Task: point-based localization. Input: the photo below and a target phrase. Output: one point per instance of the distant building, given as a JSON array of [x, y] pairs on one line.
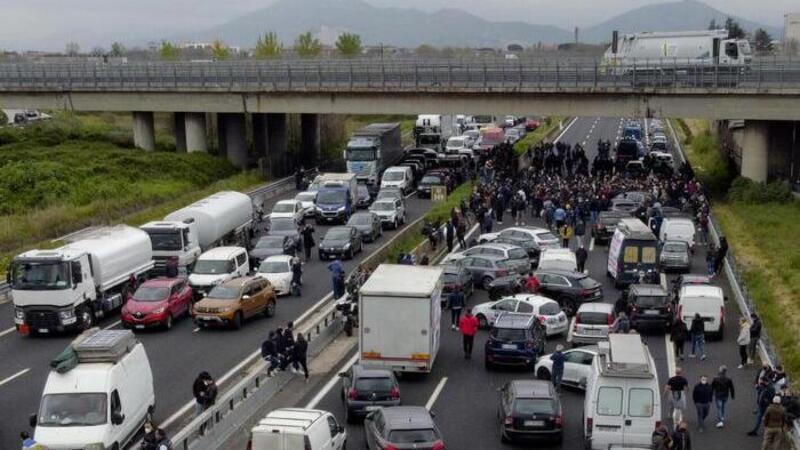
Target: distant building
[[791, 27]]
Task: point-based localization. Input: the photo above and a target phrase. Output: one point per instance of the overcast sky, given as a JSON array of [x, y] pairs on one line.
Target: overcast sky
[[50, 23]]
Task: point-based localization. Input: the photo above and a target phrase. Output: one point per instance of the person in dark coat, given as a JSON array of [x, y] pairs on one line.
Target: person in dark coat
[[679, 334], [702, 396], [300, 355], [308, 240], [722, 386], [288, 352], [680, 437], [581, 255], [456, 301], [204, 390], [450, 232], [697, 331], [558, 359], [722, 251], [269, 351]]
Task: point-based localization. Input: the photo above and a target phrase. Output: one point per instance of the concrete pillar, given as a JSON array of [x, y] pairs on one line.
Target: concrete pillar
[[755, 150], [222, 141], [195, 132], [180, 131], [144, 132], [310, 140], [235, 137], [260, 135], [278, 148]]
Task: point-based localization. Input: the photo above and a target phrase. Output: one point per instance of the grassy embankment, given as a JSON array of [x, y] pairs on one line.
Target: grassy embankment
[[546, 127], [762, 223]]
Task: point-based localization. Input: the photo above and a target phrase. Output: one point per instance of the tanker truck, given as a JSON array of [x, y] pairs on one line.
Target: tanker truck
[[72, 286], [223, 218]]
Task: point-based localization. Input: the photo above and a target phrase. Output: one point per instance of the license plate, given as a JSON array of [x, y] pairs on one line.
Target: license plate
[[651, 312], [534, 423], [139, 327], [593, 332], [44, 330], [205, 318], [509, 346]]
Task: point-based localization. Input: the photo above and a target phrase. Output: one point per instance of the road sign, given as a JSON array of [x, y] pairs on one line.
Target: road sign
[[438, 193]]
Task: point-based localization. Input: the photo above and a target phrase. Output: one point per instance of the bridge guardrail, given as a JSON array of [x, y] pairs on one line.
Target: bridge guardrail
[[378, 75]]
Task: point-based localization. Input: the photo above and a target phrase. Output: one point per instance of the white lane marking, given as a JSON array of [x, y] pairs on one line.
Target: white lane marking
[[16, 375], [5, 332], [663, 279], [591, 244], [670, 356], [411, 194], [113, 325], [564, 131], [330, 384], [435, 394], [196, 329]]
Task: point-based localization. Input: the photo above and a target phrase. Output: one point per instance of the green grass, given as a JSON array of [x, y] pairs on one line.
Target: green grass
[[550, 124], [702, 150]]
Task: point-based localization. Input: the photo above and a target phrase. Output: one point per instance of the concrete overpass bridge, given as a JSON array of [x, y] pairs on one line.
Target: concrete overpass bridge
[[764, 95]]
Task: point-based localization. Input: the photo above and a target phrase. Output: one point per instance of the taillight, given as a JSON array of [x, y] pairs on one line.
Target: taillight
[[509, 421], [590, 425], [559, 421], [395, 393], [438, 445], [585, 293], [610, 319], [352, 394]]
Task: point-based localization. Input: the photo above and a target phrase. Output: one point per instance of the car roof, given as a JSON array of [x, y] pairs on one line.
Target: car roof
[[496, 245], [514, 320], [562, 272], [407, 418], [537, 300], [649, 290], [280, 258], [222, 252], [694, 279], [237, 282], [532, 388], [339, 227], [700, 290], [363, 213], [288, 201], [596, 307], [370, 372], [672, 241], [161, 282]]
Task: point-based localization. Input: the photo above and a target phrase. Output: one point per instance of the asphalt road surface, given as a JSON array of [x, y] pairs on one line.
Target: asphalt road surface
[[176, 357], [463, 394]]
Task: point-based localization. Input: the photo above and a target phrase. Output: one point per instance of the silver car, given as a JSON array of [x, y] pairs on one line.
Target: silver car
[[591, 323], [675, 256], [516, 255], [402, 427]]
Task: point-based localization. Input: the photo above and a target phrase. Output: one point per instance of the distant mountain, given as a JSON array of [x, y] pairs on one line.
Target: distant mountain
[[673, 16], [391, 26]]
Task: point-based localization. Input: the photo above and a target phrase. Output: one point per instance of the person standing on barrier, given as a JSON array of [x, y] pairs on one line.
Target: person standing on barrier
[[269, 351], [300, 355]]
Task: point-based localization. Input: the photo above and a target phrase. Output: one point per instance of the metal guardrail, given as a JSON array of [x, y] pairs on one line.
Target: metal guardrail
[[394, 75]]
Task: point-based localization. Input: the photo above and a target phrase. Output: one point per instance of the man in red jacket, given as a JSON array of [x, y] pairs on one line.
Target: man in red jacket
[[468, 326]]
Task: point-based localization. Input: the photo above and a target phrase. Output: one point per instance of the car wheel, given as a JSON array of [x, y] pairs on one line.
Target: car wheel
[[269, 310], [543, 373], [237, 321], [396, 224], [486, 281], [483, 323], [168, 322], [503, 437]]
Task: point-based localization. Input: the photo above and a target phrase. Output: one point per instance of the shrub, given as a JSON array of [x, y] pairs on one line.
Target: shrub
[[744, 190]]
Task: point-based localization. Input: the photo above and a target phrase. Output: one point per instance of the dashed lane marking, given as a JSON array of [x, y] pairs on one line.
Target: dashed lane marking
[[8, 331], [15, 376], [435, 394], [332, 382]]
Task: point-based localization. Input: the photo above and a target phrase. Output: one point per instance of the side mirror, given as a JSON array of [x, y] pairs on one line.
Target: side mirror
[[117, 418], [32, 420], [341, 429], [77, 275]]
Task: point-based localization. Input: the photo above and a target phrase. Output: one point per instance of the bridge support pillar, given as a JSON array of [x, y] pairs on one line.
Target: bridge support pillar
[[233, 137], [261, 141], [195, 132], [278, 153], [309, 140], [755, 150], [144, 133], [179, 124]]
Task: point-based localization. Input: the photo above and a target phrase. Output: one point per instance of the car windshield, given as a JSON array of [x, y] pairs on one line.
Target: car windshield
[[393, 176], [609, 220], [331, 197], [412, 436], [517, 253], [282, 225], [508, 334], [360, 219], [374, 384], [362, 191], [224, 293], [675, 247], [212, 266], [274, 267], [549, 309], [431, 179], [283, 208], [72, 410], [383, 206], [167, 240], [531, 406], [651, 301], [450, 278], [338, 234], [360, 154], [455, 142], [305, 197], [36, 276], [270, 242], [593, 318], [150, 294]]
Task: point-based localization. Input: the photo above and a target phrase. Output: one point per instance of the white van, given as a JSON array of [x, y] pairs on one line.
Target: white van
[[400, 177], [298, 429], [623, 401], [677, 229], [706, 300], [217, 266], [102, 399], [557, 259]]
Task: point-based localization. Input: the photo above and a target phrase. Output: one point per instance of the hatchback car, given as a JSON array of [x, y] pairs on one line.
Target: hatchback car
[[232, 302], [516, 339], [344, 241], [288, 209], [570, 289], [157, 303], [532, 239], [267, 246], [285, 227], [591, 323], [391, 211], [530, 409], [577, 366], [486, 268], [278, 270], [363, 197], [389, 193], [516, 255], [402, 427], [547, 310], [650, 307], [364, 388], [368, 224], [306, 200], [607, 221], [675, 257], [455, 276]]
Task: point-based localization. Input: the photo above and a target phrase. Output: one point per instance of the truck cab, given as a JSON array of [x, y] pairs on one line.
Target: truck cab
[[173, 239]]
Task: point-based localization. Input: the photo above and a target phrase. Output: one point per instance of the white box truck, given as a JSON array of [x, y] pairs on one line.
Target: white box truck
[[399, 314], [223, 218], [433, 130], [372, 149], [71, 286]]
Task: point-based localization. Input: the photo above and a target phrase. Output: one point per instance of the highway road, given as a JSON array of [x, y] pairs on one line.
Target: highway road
[[176, 356], [463, 394]]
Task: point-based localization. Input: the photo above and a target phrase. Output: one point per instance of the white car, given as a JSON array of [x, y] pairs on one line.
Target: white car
[[278, 270], [473, 134], [558, 259], [287, 209], [547, 310], [306, 200], [577, 366], [391, 211], [459, 144]]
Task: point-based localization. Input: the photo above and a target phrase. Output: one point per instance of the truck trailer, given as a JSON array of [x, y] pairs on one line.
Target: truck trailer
[[372, 149], [72, 286], [399, 314], [432, 131]]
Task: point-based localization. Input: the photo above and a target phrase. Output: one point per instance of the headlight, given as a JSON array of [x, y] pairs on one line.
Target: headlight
[[66, 314], [346, 246], [19, 314], [158, 311], [97, 446], [225, 309], [341, 209]]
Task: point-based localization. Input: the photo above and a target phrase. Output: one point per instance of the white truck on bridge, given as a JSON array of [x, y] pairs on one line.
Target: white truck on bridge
[[225, 217], [400, 311], [71, 286]]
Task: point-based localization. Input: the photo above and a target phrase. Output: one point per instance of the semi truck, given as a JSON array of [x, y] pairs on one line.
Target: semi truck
[[432, 131], [399, 316], [72, 286], [336, 196], [372, 149], [682, 52], [222, 218]]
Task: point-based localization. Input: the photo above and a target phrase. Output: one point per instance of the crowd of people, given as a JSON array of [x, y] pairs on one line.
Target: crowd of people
[[284, 348]]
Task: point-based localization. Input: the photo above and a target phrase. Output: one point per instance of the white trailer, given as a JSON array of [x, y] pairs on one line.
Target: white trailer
[[433, 130], [222, 218], [399, 314], [72, 286]]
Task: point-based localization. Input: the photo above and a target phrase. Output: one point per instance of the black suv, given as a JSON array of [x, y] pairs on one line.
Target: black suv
[[569, 289], [365, 388], [516, 339], [650, 306], [607, 222], [530, 409]]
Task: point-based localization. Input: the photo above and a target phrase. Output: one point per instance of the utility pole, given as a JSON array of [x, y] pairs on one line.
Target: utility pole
[[577, 30]]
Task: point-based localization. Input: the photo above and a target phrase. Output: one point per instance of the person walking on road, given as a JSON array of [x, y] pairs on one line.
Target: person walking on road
[[679, 334], [566, 233], [308, 240], [337, 278], [532, 283], [722, 387], [300, 355], [449, 232], [581, 255], [621, 324], [675, 391], [755, 337], [469, 327], [743, 340], [774, 421], [680, 437], [702, 396], [558, 359], [766, 393], [697, 332], [722, 251], [456, 305], [711, 259]]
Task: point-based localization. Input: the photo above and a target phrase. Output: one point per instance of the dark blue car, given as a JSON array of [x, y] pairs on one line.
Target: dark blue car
[[516, 339]]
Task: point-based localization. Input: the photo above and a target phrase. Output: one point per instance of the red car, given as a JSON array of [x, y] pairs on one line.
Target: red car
[[531, 124], [157, 303]]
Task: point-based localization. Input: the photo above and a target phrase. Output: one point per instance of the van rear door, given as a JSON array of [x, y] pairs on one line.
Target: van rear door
[[640, 415], [709, 308], [609, 419], [278, 440]]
